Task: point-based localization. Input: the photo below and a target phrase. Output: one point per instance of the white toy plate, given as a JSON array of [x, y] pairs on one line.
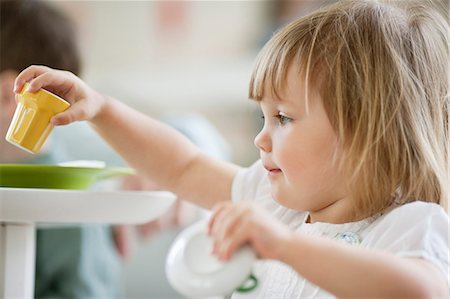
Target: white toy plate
[[194, 271]]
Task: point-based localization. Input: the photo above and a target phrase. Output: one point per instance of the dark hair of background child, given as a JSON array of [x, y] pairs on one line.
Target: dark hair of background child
[[46, 37]]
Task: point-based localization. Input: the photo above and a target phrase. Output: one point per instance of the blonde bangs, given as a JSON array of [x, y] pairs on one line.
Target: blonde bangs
[[268, 72], [292, 46]]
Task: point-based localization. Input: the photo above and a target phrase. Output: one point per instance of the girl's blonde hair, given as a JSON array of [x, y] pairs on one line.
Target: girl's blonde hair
[[383, 74]]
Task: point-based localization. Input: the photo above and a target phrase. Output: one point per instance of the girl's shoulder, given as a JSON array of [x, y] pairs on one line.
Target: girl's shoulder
[[417, 215], [413, 230], [418, 208], [411, 223], [413, 212]]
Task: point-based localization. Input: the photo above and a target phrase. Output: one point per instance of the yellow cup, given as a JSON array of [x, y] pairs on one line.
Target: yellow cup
[[31, 125]]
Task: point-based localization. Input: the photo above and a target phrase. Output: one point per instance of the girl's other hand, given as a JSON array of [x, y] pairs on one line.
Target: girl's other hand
[[85, 102], [233, 225]]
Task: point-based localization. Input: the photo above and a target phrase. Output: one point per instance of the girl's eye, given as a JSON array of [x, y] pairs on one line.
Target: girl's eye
[[283, 119]]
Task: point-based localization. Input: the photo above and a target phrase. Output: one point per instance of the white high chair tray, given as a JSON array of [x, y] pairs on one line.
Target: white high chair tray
[[25, 205], [21, 209]]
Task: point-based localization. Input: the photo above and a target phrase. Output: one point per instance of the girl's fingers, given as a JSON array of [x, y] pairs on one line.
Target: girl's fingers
[[228, 247], [58, 82], [218, 220], [43, 80], [28, 74], [216, 211], [230, 222]]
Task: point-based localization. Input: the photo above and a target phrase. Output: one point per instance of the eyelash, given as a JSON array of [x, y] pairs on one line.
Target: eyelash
[[283, 119]]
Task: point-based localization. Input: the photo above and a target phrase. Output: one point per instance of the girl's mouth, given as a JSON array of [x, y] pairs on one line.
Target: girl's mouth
[[272, 171]]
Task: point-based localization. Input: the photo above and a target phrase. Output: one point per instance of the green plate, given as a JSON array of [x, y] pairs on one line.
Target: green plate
[[55, 176]]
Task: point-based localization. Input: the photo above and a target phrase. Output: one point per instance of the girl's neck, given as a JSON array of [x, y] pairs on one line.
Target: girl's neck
[[341, 211]]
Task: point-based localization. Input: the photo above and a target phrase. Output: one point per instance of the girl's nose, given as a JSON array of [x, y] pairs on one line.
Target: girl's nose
[[263, 142]]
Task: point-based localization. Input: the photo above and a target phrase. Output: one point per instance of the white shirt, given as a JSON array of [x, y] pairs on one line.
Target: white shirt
[[417, 229]]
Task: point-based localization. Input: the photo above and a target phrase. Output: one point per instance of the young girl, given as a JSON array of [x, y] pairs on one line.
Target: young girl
[[354, 155]]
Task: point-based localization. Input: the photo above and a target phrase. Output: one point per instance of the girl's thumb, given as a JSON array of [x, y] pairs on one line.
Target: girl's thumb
[[75, 113], [63, 118]]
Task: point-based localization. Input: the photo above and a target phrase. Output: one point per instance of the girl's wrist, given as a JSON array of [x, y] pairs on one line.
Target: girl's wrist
[[103, 103], [286, 247]]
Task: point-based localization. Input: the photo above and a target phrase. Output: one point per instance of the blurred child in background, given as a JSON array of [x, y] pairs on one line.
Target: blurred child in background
[[76, 261]]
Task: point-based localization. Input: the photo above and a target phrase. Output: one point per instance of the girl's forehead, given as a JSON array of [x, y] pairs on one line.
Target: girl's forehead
[[295, 87]]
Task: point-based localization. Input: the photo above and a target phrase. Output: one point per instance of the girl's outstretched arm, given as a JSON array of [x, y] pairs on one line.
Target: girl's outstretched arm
[[165, 155], [152, 148]]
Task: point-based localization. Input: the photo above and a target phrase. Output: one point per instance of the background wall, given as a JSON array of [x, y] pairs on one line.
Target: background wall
[[177, 57]]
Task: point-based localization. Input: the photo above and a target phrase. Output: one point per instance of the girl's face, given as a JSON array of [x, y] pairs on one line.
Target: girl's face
[[300, 152]]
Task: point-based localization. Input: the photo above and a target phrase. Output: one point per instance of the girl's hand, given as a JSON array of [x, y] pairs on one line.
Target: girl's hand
[[232, 225], [86, 103]]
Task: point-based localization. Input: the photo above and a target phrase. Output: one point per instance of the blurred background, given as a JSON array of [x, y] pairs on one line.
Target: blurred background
[[181, 57]]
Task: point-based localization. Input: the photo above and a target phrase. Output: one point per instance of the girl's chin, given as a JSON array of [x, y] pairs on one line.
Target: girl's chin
[[285, 202], [291, 203]]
